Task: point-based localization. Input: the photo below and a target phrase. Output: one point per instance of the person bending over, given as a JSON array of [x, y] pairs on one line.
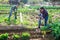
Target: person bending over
[[43, 15], [13, 9]]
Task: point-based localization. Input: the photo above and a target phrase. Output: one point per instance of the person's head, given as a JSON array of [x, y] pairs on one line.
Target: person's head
[[42, 9]]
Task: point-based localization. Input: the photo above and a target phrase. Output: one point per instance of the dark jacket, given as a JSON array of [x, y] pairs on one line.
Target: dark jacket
[[44, 14]]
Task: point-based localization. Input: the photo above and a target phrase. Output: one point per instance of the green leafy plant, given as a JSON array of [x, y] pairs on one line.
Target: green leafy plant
[[25, 36], [4, 36], [55, 27], [16, 37], [44, 28]]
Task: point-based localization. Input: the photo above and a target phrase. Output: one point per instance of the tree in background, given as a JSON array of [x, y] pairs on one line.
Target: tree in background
[[52, 1], [14, 1], [4, 1], [24, 1], [46, 0]]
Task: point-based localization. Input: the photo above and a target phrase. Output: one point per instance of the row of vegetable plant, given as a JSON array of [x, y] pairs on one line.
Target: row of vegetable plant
[[24, 36]]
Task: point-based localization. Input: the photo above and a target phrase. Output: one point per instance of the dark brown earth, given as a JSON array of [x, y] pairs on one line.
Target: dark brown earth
[[19, 29]]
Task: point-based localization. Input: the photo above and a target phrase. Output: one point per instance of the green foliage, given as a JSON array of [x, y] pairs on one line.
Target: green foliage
[[4, 36], [1, 19], [29, 15], [26, 22], [47, 7], [34, 7], [44, 28], [15, 37], [55, 27], [25, 36], [7, 21]]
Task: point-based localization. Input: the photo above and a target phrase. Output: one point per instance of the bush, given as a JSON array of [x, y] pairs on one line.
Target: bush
[[47, 7], [44, 28], [16, 37], [4, 36], [25, 36], [56, 30]]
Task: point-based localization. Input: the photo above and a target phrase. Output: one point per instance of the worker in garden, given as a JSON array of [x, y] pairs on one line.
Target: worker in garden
[[43, 15], [14, 8]]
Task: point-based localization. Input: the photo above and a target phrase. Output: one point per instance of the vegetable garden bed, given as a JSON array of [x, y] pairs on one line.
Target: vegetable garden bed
[[34, 35], [30, 21]]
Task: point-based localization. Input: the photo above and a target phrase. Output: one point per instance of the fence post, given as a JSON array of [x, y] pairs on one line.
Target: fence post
[[21, 20]]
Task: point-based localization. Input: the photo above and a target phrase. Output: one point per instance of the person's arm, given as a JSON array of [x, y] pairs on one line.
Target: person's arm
[[38, 16], [41, 16]]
